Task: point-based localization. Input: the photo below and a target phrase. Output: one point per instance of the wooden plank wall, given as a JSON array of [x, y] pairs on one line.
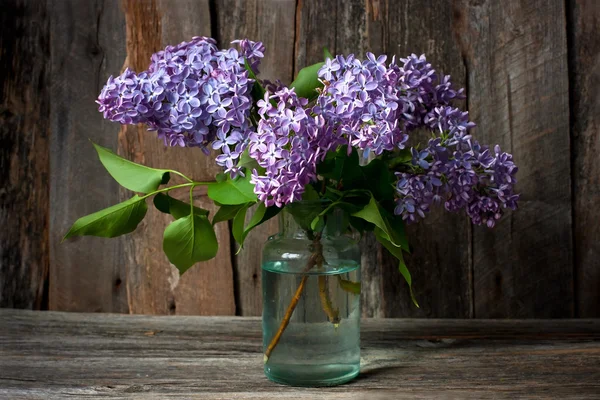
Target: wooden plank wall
[[530, 68]]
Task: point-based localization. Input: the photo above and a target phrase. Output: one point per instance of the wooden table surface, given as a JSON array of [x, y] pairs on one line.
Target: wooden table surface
[[51, 355]]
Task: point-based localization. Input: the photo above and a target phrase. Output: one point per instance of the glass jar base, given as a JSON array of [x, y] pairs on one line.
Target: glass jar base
[[311, 375]]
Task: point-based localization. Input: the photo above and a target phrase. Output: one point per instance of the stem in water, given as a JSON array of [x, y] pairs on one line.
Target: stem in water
[[316, 259]]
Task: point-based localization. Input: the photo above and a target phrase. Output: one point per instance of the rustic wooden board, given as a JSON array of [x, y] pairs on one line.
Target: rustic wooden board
[[440, 262], [88, 44], [271, 22], [516, 56], [153, 284], [584, 67], [53, 355], [24, 160], [541, 261]]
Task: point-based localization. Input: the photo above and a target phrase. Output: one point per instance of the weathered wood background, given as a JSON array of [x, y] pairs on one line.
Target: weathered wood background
[[532, 72]]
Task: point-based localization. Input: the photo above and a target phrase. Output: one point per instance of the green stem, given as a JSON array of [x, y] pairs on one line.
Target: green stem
[[191, 185], [168, 189], [192, 202], [182, 175]]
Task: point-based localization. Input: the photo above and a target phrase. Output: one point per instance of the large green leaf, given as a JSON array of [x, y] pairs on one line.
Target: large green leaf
[[113, 221], [261, 215], [376, 215], [307, 81], [177, 208], [233, 191], [397, 252], [189, 240], [227, 212], [130, 175]]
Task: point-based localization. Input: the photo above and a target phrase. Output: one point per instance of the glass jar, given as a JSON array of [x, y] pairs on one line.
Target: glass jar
[[311, 303]]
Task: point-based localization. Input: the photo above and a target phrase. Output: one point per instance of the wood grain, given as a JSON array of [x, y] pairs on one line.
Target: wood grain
[[271, 22], [516, 56], [153, 284], [55, 355], [584, 69], [88, 44], [316, 25], [440, 262], [24, 161]]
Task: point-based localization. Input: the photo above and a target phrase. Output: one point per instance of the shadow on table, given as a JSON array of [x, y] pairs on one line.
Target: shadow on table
[[375, 371]]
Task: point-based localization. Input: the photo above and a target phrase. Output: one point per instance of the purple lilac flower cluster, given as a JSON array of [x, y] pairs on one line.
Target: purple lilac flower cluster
[[196, 95], [455, 169], [375, 105], [288, 145], [193, 94]]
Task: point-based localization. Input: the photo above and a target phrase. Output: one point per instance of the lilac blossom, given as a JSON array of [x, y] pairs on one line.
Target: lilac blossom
[[376, 105], [464, 175], [287, 145], [192, 95]]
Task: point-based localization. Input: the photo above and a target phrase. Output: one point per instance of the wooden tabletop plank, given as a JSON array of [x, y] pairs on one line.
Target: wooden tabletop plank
[[47, 355]]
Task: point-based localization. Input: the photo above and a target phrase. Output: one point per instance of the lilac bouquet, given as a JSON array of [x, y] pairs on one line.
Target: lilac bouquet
[[378, 139]]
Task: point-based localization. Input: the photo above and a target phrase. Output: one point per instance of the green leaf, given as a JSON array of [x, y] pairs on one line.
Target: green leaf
[[333, 194], [349, 286], [189, 240], [307, 81], [348, 170], [327, 54], [318, 223], [325, 167], [361, 225], [402, 157], [261, 215], [305, 213], [113, 221], [227, 212], [177, 208], [397, 252], [382, 187], [397, 226], [374, 214], [135, 177], [221, 177], [406, 274], [249, 163], [237, 227], [310, 193], [232, 192]]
